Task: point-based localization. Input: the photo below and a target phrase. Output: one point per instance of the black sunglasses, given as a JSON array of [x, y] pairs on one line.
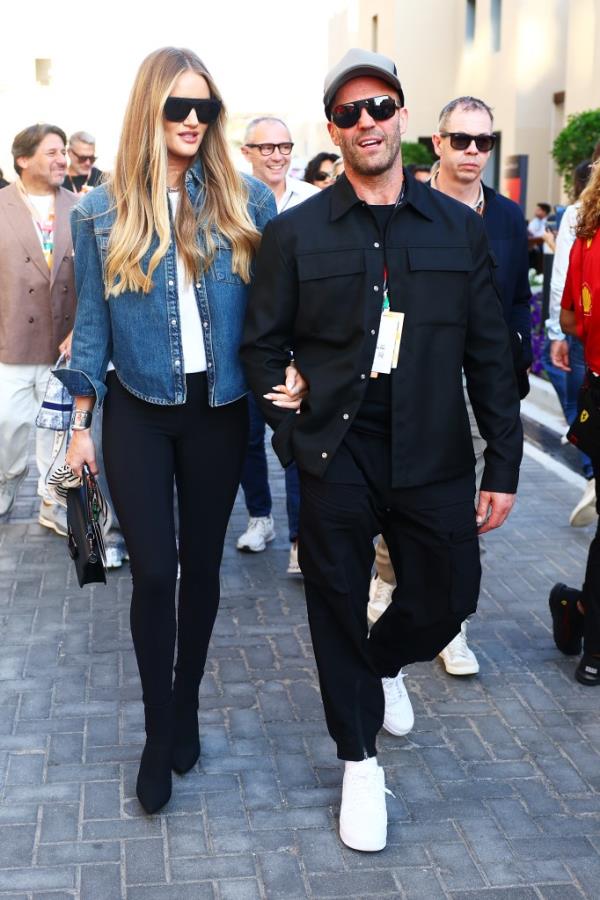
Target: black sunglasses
[[460, 140], [84, 158], [177, 109], [324, 176], [345, 115]]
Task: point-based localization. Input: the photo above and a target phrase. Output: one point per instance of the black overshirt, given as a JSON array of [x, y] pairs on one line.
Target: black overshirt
[[318, 289]]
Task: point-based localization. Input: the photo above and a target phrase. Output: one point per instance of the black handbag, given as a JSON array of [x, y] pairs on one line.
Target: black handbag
[[584, 432], [86, 510]]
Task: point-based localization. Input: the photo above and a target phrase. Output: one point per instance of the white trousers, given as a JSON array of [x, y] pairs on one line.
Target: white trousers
[[22, 389]]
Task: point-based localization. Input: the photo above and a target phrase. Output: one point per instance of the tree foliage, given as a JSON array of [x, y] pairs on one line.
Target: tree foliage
[[575, 143], [415, 154]]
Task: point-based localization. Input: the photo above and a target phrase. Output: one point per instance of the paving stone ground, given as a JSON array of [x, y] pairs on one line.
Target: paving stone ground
[[497, 789]]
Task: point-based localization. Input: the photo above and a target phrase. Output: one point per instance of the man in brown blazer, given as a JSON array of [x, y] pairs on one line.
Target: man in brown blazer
[[37, 304]]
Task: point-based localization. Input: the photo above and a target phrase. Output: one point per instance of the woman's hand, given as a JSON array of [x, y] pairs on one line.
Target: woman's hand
[[290, 394], [65, 348], [81, 450]]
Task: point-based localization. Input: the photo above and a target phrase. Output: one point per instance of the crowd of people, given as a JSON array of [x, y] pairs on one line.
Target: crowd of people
[[174, 284]]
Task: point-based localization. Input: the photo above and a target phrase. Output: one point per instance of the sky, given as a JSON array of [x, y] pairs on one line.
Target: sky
[[265, 58]]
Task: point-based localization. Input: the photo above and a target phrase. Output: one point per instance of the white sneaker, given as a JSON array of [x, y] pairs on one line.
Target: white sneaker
[[458, 658], [293, 566], [257, 535], [584, 513], [54, 517], [399, 717], [363, 816], [8, 491], [380, 597]]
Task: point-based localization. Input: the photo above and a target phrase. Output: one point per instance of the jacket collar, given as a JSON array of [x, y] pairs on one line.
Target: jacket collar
[[417, 195]]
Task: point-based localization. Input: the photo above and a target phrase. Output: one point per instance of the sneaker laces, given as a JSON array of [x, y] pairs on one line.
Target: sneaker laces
[[383, 591], [459, 645], [257, 523]]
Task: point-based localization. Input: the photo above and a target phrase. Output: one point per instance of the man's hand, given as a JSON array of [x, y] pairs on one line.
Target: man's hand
[[290, 394], [493, 510], [65, 348], [559, 354]]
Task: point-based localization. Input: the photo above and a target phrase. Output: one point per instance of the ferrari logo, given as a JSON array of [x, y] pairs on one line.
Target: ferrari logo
[[584, 415], [586, 300]]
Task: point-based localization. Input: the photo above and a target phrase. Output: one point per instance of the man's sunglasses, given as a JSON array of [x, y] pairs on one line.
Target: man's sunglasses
[[268, 149], [82, 159], [177, 109], [345, 115], [459, 140], [324, 176]]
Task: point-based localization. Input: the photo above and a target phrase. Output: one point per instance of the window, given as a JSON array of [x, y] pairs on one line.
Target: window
[[470, 21], [496, 24], [43, 71], [374, 33]]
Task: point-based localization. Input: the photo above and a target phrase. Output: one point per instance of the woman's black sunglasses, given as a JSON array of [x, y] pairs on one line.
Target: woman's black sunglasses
[[345, 115], [177, 109], [460, 140]]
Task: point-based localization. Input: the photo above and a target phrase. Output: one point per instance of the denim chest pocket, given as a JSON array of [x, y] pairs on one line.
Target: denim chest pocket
[[222, 266], [439, 280], [102, 238]]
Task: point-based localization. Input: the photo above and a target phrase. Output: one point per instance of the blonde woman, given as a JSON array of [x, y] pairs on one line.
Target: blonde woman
[[163, 262]]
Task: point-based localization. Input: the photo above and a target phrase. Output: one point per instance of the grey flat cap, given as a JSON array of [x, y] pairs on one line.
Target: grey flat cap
[[358, 62]]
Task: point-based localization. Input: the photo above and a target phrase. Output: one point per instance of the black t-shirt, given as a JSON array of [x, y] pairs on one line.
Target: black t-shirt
[[374, 414], [74, 183]]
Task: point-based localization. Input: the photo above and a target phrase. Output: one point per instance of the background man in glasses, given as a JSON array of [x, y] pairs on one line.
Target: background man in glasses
[[37, 305], [463, 142], [82, 175], [268, 148], [381, 276]]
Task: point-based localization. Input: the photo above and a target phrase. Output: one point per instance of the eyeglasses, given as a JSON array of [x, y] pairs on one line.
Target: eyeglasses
[[267, 149], [459, 140], [177, 109], [82, 159], [324, 176], [345, 115]]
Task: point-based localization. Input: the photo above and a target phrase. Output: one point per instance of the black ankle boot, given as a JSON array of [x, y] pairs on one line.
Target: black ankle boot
[[186, 737], [154, 781]]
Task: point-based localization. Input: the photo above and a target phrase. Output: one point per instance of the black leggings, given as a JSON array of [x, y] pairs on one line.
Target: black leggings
[[147, 448]]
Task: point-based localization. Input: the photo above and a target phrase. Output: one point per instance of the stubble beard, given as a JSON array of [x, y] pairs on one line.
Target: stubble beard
[[372, 167]]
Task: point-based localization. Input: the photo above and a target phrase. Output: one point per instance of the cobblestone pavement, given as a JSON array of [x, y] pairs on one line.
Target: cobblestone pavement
[[497, 789]]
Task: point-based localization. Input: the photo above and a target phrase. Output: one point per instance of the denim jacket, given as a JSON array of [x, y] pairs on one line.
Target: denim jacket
[[141, 333]]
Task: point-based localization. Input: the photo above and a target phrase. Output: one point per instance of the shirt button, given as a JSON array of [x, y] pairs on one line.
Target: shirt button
[[376, 245], [173, 321], [324, 455], [375, 287], [198, 284], [177, 362], [209, 365], [372, 331], [345, 416], [205, 324], [171, 283], [30, 320], [31, 290], [362, 376], [27, 259]]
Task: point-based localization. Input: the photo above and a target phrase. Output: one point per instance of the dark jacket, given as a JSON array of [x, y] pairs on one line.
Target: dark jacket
[[318, 289], [506, 231]]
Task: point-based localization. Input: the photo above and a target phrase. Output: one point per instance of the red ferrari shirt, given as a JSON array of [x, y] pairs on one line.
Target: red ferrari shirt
[[582, 295]]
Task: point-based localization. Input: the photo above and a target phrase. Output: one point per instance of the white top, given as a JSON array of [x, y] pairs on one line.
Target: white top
[[564, 241], [295, 192], [537, 227], [192, 338]]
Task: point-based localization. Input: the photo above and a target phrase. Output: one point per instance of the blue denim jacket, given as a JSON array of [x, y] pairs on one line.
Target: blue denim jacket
[[141, 333]]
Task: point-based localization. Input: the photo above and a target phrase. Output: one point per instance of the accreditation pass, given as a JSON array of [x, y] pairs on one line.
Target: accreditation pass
[[387, 350]]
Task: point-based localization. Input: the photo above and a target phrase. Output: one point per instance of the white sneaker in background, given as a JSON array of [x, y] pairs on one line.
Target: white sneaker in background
[[399, 717], [458, 658], [54, 517], [293, 566], [363, 815], [257, 535], [8, 491], [380, 597], [584, 513]]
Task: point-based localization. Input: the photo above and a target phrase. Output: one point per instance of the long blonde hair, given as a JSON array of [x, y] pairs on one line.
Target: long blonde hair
[[138, 186], [588, 219]]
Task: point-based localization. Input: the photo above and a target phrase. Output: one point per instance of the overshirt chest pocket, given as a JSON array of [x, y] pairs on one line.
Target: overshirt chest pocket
[[330, 293], [334, 264], [222, 265], [439, 284]]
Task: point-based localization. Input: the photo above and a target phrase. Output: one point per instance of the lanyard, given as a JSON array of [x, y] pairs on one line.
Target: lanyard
[[386, 296]]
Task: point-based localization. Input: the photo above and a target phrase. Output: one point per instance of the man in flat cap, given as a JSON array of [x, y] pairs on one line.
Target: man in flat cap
[[383, 291]]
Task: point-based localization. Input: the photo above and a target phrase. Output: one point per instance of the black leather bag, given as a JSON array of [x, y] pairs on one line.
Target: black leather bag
[[584, 433], [86, 510]]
